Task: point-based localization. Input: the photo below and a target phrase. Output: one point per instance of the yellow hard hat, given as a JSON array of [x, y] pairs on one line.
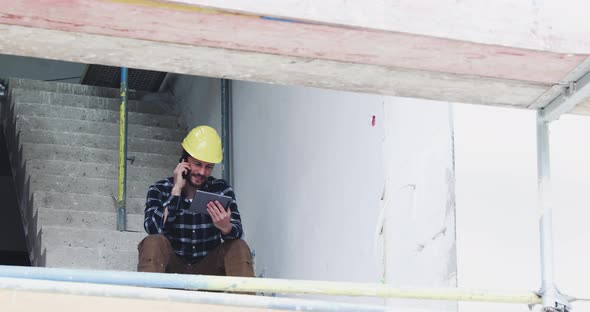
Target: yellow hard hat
[[203, 143]]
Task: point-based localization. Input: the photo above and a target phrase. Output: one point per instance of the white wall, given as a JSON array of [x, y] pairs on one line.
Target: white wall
[[39, 69], [309, 176], [497, 214], [419, 199], [497, 227], [570, 153]]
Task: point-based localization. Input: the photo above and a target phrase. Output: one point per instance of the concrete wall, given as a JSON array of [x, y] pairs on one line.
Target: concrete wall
[[39, 69], [309, 174], [198, 100], [11, 232], [419, 203]]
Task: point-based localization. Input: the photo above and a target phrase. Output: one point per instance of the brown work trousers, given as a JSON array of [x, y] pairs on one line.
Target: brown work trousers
[[231, 258]]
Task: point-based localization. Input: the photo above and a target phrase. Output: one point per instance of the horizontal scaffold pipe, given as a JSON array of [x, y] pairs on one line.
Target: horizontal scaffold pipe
[[12, 285], [268, 285]]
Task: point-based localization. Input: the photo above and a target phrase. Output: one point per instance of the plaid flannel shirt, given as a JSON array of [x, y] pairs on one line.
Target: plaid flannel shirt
[[192, 235]]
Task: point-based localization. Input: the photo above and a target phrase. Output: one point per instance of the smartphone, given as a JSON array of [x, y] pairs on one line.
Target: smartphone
[[187, 174]]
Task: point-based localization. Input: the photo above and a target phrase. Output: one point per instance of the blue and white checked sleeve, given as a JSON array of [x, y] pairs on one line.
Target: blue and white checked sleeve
[[158, 198]]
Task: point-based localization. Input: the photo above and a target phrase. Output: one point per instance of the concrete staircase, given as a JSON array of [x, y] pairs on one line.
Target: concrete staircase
[[63, 141]]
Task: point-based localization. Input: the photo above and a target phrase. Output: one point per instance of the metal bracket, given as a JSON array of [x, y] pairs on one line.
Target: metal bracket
[[572, 94], [561, 304], [571, 89]]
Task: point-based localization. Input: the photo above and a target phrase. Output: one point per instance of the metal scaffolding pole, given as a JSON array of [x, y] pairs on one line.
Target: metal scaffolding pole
[[227, 129], [110, 292], [122, 194], [250, 284], [552, 298]]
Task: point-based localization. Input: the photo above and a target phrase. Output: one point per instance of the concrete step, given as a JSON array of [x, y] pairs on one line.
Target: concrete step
[[68, 88], [85, 202], [90, 258], [102, 128], [95, 155], [57, 236], [98, 115], [90, 186], [95, 170], [100, 141], [153, 104], [86, 219]]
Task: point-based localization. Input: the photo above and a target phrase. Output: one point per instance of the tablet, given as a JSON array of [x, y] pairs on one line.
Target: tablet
[[201, 199]]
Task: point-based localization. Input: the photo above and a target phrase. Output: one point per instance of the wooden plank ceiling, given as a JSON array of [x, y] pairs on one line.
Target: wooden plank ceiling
[[191, 39]]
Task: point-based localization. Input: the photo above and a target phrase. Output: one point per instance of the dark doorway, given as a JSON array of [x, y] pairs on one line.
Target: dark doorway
[[13, 246]]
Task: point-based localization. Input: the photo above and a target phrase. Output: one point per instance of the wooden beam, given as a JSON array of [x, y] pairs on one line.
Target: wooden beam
[[171, 22], [261, 67]]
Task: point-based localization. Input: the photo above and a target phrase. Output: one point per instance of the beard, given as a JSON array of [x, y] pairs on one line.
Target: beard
[[200, 177]]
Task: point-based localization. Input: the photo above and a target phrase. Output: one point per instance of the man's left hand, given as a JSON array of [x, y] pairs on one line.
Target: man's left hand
[[221, 217]]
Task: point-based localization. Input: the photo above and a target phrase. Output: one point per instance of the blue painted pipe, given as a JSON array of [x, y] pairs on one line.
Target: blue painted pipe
[[144, 279]]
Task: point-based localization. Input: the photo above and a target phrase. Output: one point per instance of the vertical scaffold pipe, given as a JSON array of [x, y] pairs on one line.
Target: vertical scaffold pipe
[[121, 200], [552, 299]]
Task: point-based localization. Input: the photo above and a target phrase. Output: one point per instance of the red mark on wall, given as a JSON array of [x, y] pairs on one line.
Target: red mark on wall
[[373, 121]]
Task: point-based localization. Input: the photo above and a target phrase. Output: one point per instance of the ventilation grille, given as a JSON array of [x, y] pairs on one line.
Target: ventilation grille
[[110, 76]]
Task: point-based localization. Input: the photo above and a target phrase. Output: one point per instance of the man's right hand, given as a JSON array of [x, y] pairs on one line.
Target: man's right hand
[[179, 181]]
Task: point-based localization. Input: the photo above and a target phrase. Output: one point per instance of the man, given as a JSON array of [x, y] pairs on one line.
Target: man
[[182, 241]]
